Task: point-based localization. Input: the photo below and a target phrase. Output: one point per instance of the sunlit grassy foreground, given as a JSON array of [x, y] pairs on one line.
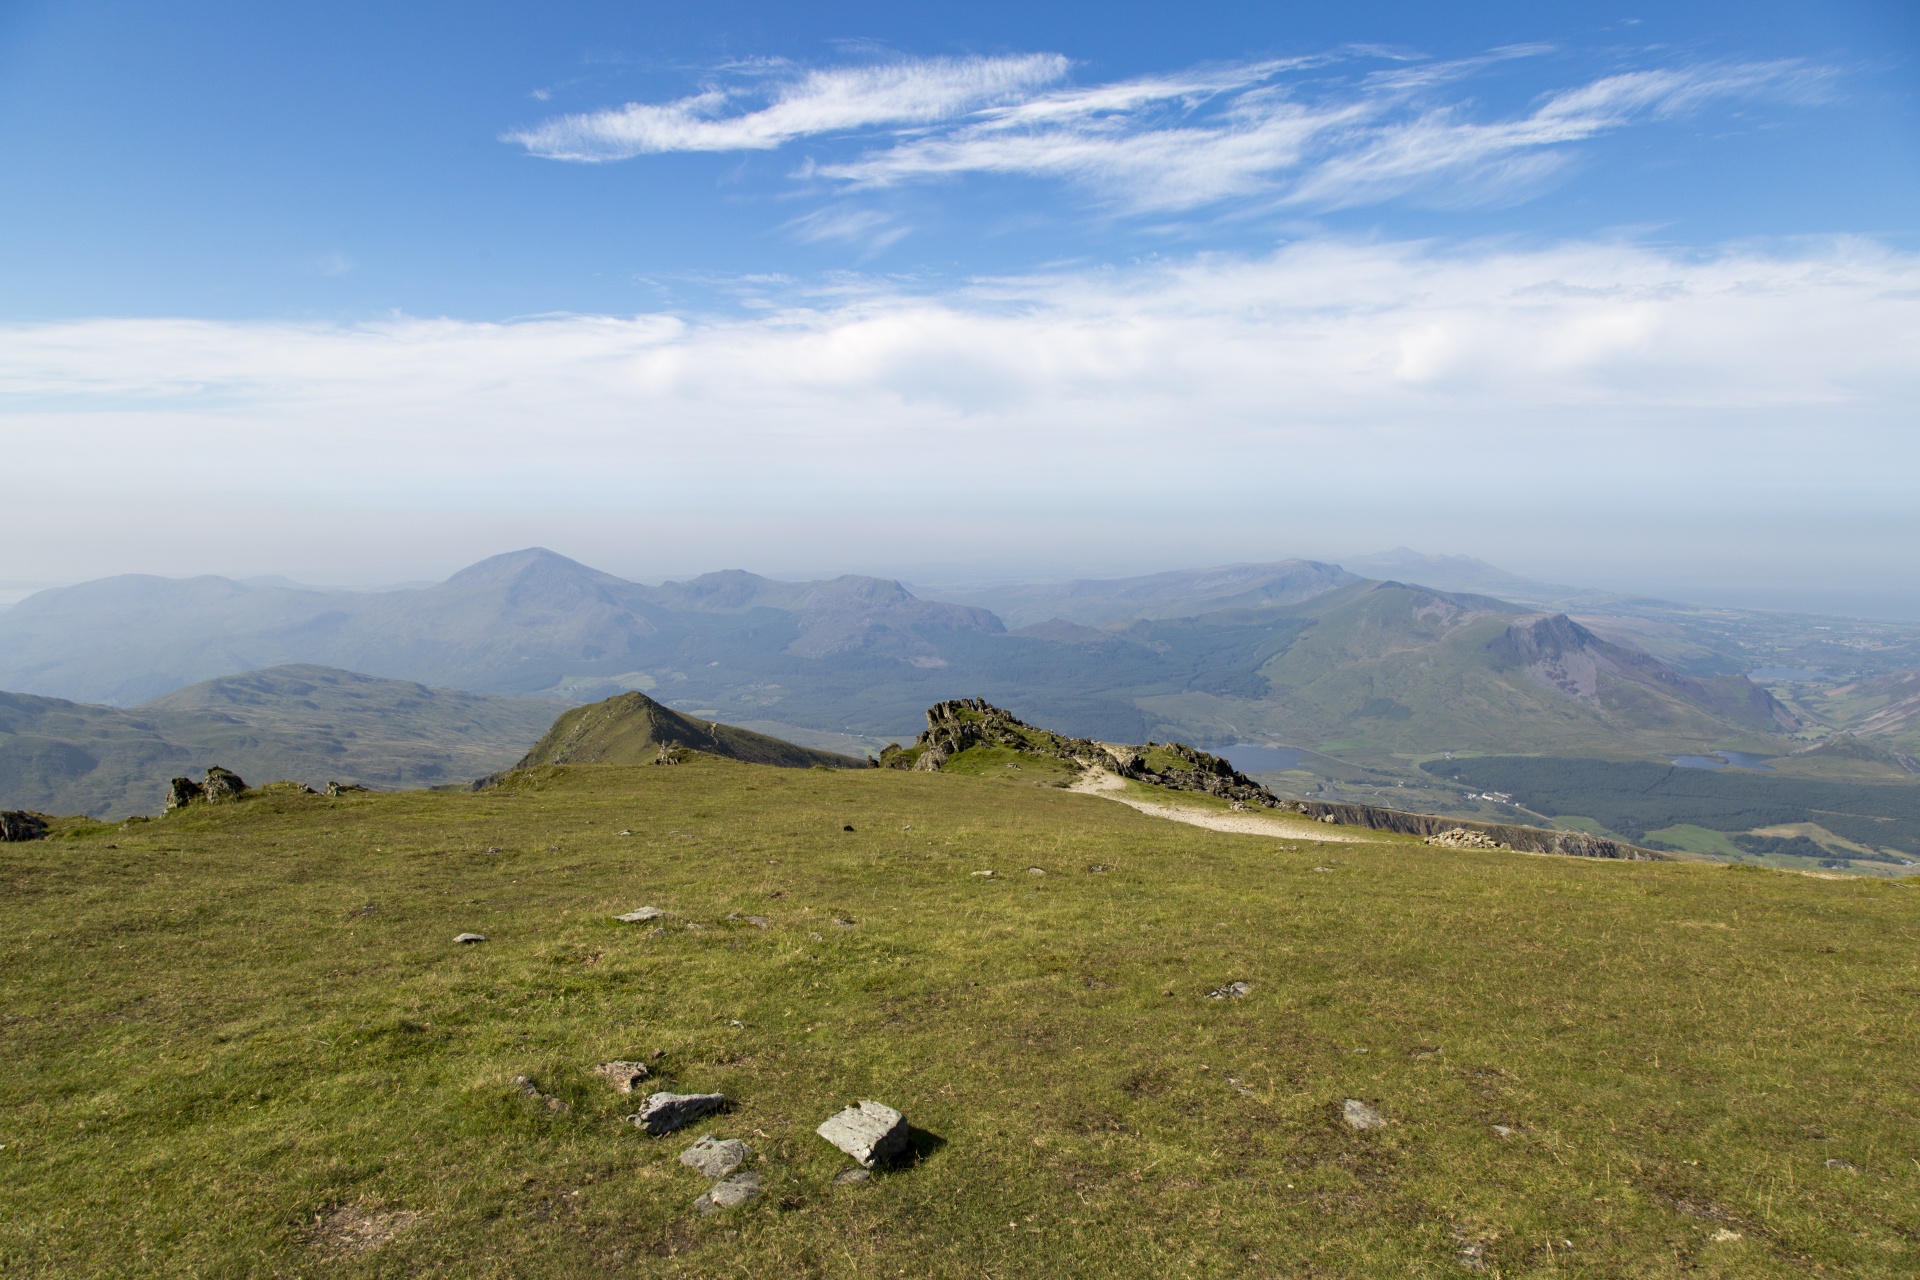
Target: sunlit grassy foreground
[[245, 1034]]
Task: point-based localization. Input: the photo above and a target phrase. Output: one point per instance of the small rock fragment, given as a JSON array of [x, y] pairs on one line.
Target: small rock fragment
[[1503, 1130], [656, 931], [1323, 868], [1036, 871], [665, 1112], [848, 1177], [1098, 868], [735, 1191], [715, 1157], [640, 916], [845, 922], [623, 833], [1361, 1116], [872, 1133], [1472, 1256], [465, 938], [981, 873], [490, 849], [1724, 1236], [532, 1090], [1232, 991], [1845, 1166], [622, 1075]]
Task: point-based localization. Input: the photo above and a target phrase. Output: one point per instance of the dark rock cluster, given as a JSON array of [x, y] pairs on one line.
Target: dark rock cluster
[[19, 824], [220, 786]]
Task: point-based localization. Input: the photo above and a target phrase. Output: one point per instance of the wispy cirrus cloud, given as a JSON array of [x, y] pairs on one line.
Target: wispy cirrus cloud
[[1304, 132], [833, 100]]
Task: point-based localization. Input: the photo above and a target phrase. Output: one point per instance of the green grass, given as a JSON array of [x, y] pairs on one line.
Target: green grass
[[241, 1018], [1696, 840]]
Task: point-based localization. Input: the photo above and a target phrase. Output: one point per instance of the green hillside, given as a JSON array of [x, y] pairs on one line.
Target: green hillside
[[241, 1041], [634, 729], [306, 723]]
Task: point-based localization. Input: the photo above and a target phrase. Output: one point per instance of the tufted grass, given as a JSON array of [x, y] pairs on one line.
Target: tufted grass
[[242, 1028]]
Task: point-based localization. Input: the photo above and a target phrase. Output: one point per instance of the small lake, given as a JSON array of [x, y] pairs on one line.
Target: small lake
[[1787, 673], [1250, 757], [1724, 760]]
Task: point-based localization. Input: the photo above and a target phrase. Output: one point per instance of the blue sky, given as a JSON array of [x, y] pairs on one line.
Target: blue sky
[[1128, 264]]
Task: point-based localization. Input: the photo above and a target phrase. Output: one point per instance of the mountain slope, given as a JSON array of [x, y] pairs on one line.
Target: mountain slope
[[634, 729], [307, 723], [1181, 593]]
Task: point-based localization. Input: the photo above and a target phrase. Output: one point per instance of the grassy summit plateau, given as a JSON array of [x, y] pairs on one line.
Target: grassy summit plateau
[[242, 1042]]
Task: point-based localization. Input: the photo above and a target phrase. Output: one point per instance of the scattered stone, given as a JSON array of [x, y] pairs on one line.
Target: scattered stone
[[758, 922], [1098, 868], [532, 1090], [848, 827], [1504, 1130], [715, 1158], [1473, 1256], [641, 916], [872, 1133], [490, 849], [1036, 871], [622, 1075], [982, 873], [1323, 868], [1232, 991], [665, 1112], [466, 939], [1359, 1115], [1462, 838], [1845, 1166], [343, 788], [848, 1177], [1724, 1236], [845, 922], [741, 1188], [623, 833], [656, 931]]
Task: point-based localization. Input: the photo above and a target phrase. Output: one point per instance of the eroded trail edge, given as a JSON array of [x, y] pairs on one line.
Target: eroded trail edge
[[1100, 782]]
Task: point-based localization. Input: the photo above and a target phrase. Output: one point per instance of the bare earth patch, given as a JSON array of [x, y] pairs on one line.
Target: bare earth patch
[[349, 1230], [1099, 782]]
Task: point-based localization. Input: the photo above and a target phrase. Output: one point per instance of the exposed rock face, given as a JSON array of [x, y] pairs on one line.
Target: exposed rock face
[[221, 786], [18, 824], [1461, 838], [954, 726], [872, 1133], [665, 1112], [1574, 844], [182, 792]]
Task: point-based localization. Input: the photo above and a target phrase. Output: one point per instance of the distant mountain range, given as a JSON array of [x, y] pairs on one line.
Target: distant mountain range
[[306, 723], [1378, 673]]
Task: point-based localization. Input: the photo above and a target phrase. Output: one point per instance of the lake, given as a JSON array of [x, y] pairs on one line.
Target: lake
[[1251, 757]]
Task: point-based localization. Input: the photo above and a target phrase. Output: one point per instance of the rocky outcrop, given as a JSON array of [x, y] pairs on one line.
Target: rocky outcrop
[[20, 824], [953, 727], [220, 787], [1461, 838], [1573, 844]]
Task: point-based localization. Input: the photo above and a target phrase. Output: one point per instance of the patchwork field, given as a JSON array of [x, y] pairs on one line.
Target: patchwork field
[[241, 1041]]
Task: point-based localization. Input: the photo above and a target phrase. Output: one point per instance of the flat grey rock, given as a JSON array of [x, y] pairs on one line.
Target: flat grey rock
[[1361, 1116], [730, 1194], [665, 1112], [1232, 991], [848, 1177], [715, 1157], [872, 1133], [465, 938], [641, 916], [622, 1075]]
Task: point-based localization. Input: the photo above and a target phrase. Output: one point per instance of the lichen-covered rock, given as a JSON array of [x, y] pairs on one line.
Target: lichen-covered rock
[[222, 785], [665, 1112], [622, 1075], [1359, 1115], [182, 792], [741, 1188], [872, 1133], [641, 916]]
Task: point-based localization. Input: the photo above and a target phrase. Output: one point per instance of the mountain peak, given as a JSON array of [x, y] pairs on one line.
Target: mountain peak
[[515, 566]]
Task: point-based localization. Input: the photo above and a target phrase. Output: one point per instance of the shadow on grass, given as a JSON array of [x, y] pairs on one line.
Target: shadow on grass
[[921, 1145]]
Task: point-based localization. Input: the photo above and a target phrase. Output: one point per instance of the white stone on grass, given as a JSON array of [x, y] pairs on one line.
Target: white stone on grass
[[665, 1112], [872, 1133], [1361, 1116], [641, 916], [715, 1157]]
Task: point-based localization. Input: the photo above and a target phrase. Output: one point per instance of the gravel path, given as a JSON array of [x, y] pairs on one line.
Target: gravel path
[[1099, 782]]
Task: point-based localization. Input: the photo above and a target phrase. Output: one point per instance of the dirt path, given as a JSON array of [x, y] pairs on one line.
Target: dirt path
[[1099, 782]]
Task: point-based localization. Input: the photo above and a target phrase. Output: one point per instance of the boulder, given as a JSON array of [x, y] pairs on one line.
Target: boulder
[[18, 824], [222, 785], [715, 1157], [182, 792], [872, 1133], [665, 1112]]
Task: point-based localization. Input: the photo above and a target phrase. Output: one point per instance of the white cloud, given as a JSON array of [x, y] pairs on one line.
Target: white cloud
[[917, 91], [1329, 392], [1292, 132]]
